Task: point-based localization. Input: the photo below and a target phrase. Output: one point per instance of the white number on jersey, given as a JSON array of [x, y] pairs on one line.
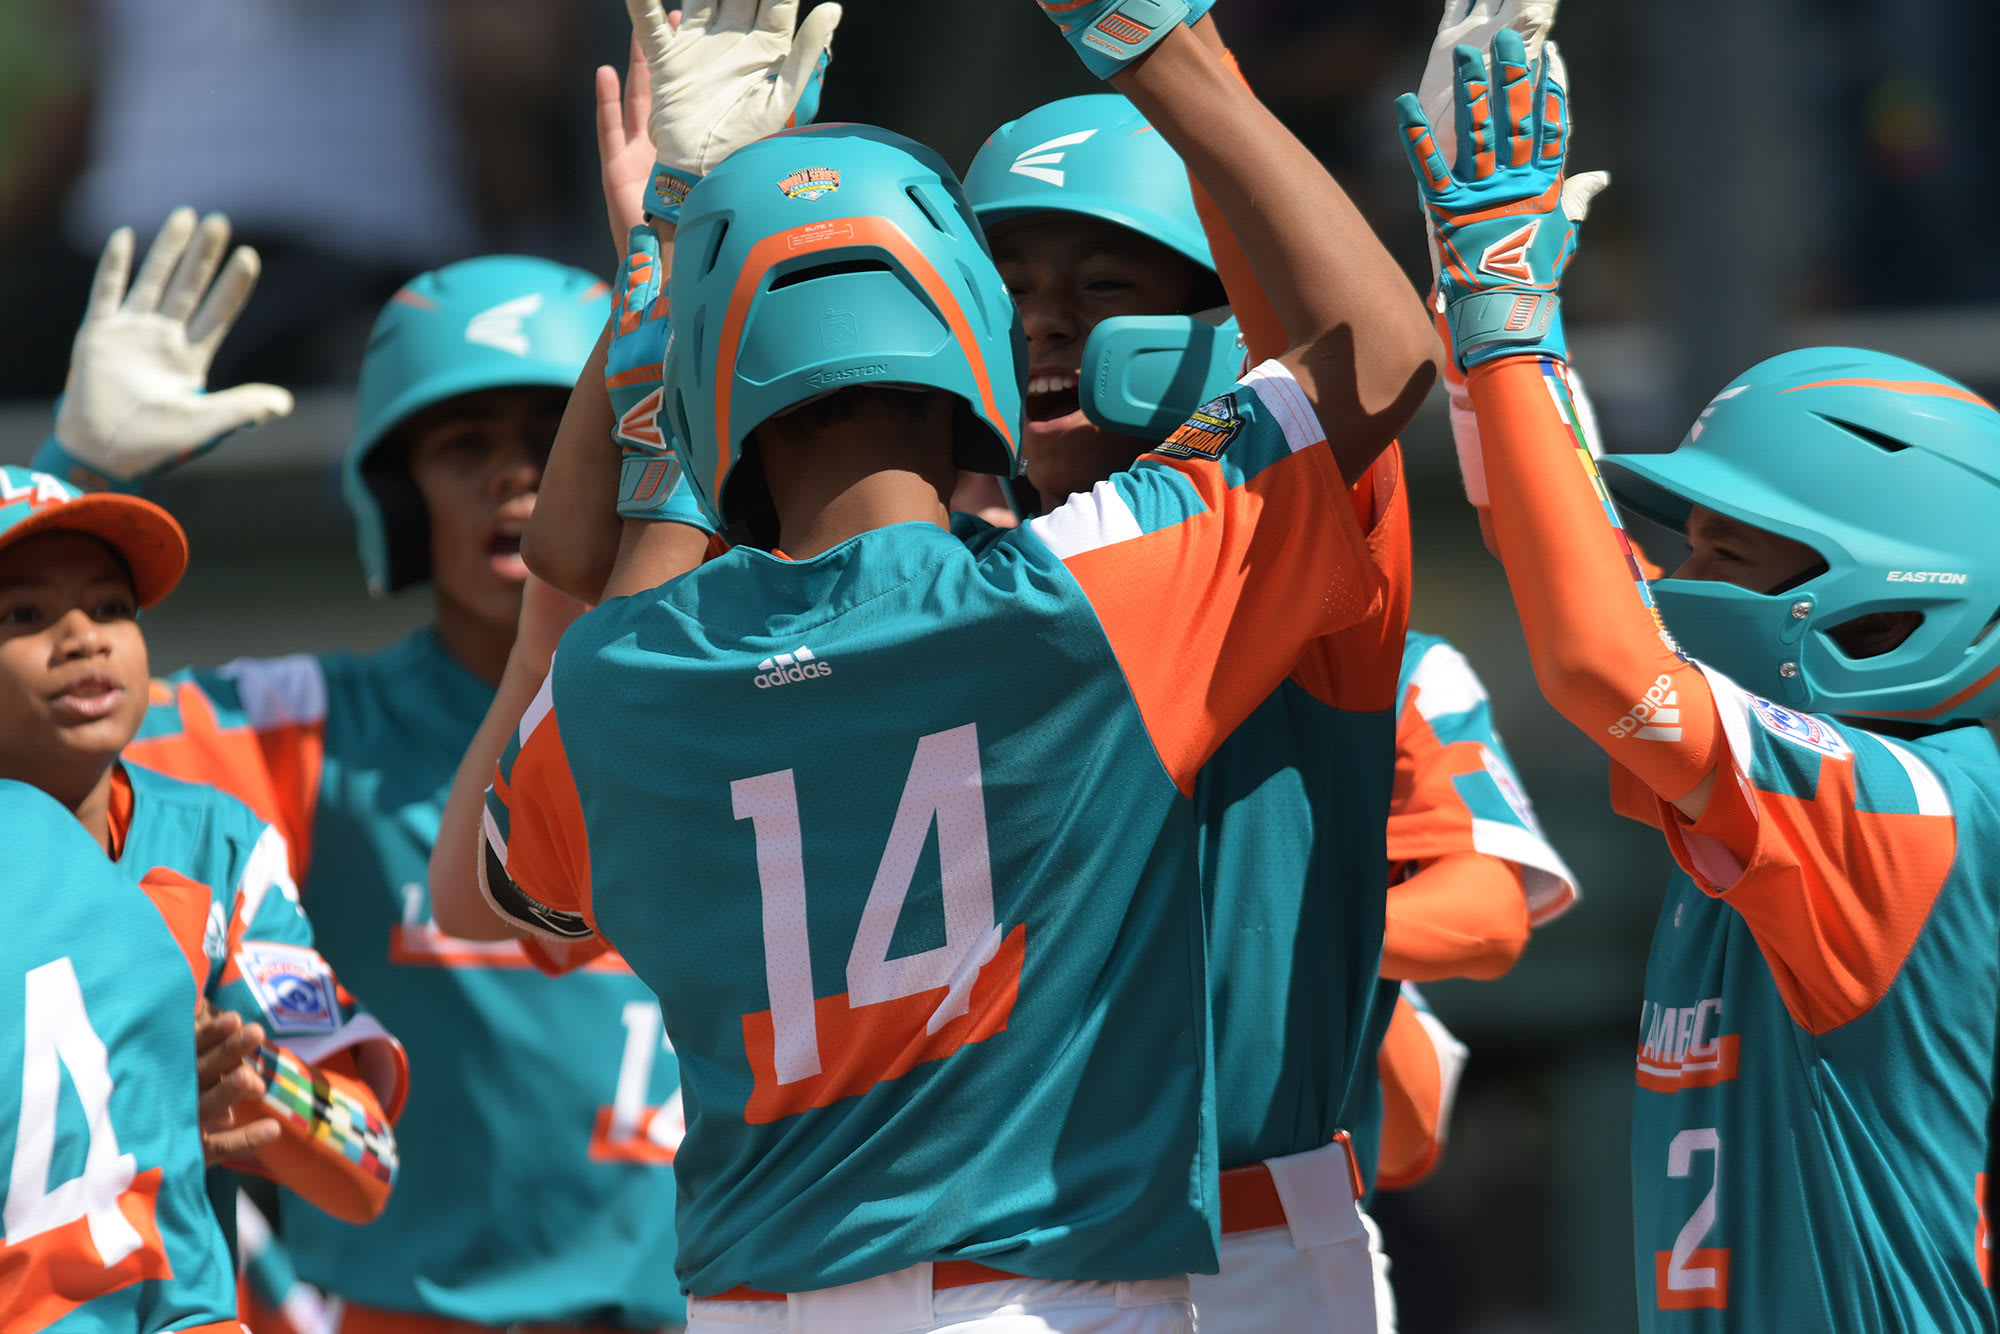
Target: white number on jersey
[[59, 1038], [1693, 1275]]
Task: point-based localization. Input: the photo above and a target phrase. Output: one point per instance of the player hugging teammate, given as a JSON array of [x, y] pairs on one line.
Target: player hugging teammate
[[1039, 957]]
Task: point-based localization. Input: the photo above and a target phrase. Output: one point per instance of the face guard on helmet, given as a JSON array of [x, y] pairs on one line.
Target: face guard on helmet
[[825, 259], [497, 322], [1097, 157], [1891, 472]]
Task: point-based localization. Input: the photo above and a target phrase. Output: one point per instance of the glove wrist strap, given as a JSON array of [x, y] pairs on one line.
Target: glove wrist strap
[[650, 487], [59, 463], [666, 191], [1486, 325], [1125, 31]]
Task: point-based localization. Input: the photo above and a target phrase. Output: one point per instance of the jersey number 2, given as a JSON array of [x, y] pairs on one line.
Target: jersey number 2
[[1692, 1275], [104, 1214], [809, 1051]]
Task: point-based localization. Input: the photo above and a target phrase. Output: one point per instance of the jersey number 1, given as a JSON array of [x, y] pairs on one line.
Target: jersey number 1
[[808, 1051]]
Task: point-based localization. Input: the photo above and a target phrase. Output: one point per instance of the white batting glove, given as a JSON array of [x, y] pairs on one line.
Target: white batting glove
[[136, 403], [733, 72]]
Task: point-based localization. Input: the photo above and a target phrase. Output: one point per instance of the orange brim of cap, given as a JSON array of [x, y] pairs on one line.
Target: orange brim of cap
[[148, 537]]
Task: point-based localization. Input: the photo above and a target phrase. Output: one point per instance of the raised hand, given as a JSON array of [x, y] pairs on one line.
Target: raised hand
[[1475, 23], [624, 151], [136, 403], [1503, 216], [651, 484], [730, 73]]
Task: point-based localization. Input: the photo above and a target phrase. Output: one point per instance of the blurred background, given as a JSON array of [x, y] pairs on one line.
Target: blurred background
[[1786, 174]]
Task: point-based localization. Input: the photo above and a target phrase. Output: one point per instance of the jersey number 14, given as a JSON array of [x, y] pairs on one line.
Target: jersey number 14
[[810, 1051]]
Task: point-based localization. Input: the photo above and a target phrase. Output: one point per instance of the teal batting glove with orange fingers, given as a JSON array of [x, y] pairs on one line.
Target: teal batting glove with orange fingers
[[1502, 215], [651, 485], [1109, 34]]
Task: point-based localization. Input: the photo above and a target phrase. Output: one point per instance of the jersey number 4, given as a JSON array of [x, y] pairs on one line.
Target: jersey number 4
[[1692, 1275], [101, 1222], [810, 1051]]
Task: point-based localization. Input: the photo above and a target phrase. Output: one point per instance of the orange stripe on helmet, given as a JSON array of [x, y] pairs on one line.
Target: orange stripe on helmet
[[1936, 710], [1928, 388], [837, 234]]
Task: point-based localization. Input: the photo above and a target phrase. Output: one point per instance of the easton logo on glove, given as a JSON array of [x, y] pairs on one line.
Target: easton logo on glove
[[1508, 257]]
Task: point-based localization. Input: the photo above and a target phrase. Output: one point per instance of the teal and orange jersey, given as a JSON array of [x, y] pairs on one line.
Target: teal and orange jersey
[[1294, 864], [1815, 1043], [1814, 1047], [104, 1224], [335, 1077], [536, 1144], [1456, 788], [912, 861]]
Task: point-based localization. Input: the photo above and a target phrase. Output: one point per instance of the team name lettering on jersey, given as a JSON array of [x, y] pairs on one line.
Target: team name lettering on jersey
[[1684, 1046]]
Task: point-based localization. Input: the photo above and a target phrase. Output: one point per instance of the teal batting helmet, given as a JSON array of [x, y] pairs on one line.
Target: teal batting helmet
[[829, 258], [497, 322], [1097, 157], [1891, 472]]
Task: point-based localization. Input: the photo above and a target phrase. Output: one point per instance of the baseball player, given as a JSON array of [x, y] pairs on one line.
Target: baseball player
[[841, 1143], [74, 572], [1796, 710], [106, 1226], [537, 1141]]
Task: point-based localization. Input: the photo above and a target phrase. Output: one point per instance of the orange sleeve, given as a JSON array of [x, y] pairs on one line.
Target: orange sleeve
[[1464, 915], [1263, 332], [535, 865], [335, 1149], [1418, 1063], [1214, 561], [1601, 654], [255, 729], [1356, 669]]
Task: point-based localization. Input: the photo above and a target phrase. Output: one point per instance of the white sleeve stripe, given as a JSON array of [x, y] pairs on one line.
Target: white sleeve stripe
[[543, 705], [1087, 521], [1280, 393], [493, 834], [1539, 862], [1445, 683], [361, 1028], [1733, 705], [267, 867], [1931, 796], [279, 691], [1451, 1055]]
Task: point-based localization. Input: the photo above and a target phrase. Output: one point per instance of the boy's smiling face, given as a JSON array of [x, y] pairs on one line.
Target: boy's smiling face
[[73, 666]]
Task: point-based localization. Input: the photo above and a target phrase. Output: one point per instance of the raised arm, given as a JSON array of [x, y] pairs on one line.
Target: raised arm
[[1361, 346]]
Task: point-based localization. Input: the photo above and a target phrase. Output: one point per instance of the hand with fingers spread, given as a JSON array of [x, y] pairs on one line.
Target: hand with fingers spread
[[136, 403], [651, 483], [230, 1085], [624, 151], [1475, 23], [1503, 216], [730, 73]]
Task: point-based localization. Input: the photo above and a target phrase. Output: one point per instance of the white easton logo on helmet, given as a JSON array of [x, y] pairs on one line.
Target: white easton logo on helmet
[[501, 326], [1694, 432], [1040, 163], [785, 669]]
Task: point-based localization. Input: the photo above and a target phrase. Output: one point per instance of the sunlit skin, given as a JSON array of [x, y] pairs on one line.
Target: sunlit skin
[[73, 670], [1067, 273], [477, 462]]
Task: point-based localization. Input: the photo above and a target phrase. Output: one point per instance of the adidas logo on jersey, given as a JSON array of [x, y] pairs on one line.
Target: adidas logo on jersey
[[787, 668], [1039, 163], [1654, 718]]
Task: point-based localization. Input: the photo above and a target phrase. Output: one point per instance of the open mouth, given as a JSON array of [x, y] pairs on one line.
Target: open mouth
[[1052, 397], [503, 552], [88, 698]]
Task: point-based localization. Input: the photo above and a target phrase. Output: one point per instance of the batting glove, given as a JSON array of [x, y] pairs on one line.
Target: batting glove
[[1504, 218], [650, 482], [136, 403], [733, 72], [1109, 34]]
